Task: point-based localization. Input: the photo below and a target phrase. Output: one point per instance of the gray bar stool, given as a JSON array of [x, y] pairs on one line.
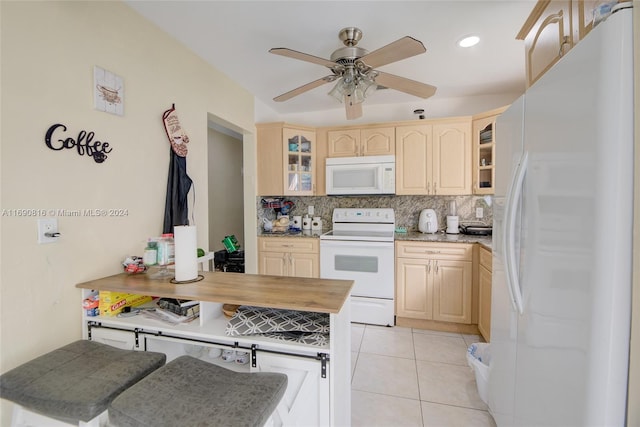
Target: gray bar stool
[[190, 392], [75, 383]]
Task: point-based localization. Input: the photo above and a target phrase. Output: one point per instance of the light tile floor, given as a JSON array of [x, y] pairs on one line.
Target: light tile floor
[[413, 377]]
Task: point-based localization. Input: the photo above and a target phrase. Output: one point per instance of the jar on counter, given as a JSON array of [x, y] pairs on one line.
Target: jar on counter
[[166, 249], [150, 256]]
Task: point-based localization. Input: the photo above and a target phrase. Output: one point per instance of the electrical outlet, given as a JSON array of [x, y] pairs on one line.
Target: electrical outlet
[[311, 210], [479, 213], [47, 230]]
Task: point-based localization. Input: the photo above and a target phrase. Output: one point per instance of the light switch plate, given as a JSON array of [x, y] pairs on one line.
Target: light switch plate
[[479, 213], [47, 225]]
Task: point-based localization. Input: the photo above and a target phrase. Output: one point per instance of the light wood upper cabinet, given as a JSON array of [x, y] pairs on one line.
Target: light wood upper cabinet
[[582, 12], [378, 141], [270, 162], [286, 160], [552, 29], [289, 256], [343, 143], [452, 158], [547, 35], [434, 158], [299, 161], [414, 152], [484, 149], [373, 141], [434, 281]]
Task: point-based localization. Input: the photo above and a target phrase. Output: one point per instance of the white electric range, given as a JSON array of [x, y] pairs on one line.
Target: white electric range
[[360, 248]]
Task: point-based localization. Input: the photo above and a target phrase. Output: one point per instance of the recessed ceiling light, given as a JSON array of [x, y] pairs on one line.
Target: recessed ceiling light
[[468, 41]]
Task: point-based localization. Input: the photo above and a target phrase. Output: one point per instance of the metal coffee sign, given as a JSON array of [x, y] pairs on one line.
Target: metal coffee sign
[[84, 144]]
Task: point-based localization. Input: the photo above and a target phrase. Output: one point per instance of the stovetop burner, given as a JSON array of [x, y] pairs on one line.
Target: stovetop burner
[[357, 224]]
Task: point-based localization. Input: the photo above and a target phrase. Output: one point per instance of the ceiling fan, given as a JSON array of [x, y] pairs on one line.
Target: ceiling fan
[[353, 68]]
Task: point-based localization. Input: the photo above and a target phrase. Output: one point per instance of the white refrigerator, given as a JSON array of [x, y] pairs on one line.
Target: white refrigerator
[[562, 261]]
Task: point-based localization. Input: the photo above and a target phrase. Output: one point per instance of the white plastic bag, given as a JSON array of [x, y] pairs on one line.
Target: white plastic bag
[[479, 358]]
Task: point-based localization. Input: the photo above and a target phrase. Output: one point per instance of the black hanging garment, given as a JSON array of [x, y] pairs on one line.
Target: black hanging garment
[[176, 211]]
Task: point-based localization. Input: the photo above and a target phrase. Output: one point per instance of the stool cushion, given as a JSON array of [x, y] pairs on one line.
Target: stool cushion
[[191, 392], [78, 381]]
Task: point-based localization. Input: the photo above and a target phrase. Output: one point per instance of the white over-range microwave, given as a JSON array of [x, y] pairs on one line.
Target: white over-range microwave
[[361, 175]]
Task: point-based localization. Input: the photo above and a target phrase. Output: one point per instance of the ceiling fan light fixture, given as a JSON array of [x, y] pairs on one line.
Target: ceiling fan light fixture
[[337, 92], [468, 41]]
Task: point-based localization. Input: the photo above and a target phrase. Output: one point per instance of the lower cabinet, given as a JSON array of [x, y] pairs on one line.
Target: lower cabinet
[[484, 297], [306, 400], [289, 256], [434, 281]]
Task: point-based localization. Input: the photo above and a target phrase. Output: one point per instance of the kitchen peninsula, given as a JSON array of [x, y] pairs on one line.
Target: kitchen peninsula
[[319, 375]]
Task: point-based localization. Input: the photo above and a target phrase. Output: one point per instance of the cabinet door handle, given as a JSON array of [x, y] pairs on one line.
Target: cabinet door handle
[[429, 267], [437, 267], [565, 42], [435, 184]]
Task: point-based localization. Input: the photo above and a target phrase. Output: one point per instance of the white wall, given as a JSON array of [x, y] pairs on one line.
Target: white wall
[[48, 53]]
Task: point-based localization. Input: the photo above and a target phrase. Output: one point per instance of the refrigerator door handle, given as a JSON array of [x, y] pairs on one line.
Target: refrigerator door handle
[[509, 235]]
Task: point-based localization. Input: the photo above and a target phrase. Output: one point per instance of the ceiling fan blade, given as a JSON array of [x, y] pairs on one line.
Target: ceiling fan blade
[[405, 85], [304, 88], [403, 48], [283, 51], [354, 110]]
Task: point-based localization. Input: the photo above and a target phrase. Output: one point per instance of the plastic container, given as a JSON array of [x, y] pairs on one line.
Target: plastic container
[[166, 249], [479, 358], [231, 243], [150, 256]]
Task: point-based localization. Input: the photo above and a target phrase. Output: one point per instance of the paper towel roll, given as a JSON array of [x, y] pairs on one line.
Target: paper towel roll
[[186, 252]]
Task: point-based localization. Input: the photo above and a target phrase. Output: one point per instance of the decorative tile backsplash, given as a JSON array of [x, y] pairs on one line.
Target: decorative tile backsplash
[[407, 208]]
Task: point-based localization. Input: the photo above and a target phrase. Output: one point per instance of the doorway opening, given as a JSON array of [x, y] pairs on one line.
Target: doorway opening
[[225, 179]]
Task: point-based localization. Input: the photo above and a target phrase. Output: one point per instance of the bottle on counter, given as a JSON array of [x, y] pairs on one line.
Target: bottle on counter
[[150, 256]]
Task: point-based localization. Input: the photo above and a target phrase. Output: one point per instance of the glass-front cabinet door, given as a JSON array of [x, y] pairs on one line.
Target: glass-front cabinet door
[[299, 161]]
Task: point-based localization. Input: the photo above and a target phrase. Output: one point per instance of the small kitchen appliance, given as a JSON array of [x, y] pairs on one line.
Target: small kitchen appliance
[[452, 218], [361, 175], [428, 221], [476, 229]]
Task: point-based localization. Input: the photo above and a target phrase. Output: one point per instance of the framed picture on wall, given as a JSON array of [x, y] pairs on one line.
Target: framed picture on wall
[[108, 91]]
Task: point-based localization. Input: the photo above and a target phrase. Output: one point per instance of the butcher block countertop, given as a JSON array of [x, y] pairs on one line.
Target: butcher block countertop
[[289, 293]]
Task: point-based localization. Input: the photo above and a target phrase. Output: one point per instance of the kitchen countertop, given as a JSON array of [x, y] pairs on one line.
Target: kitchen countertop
[[289, 293], [442, 237], [417, 236], [303, 233]]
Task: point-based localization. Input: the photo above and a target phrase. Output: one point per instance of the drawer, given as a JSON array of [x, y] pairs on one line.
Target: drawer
[[448, 251], [485, 258], [125, 340], [289, 244]]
